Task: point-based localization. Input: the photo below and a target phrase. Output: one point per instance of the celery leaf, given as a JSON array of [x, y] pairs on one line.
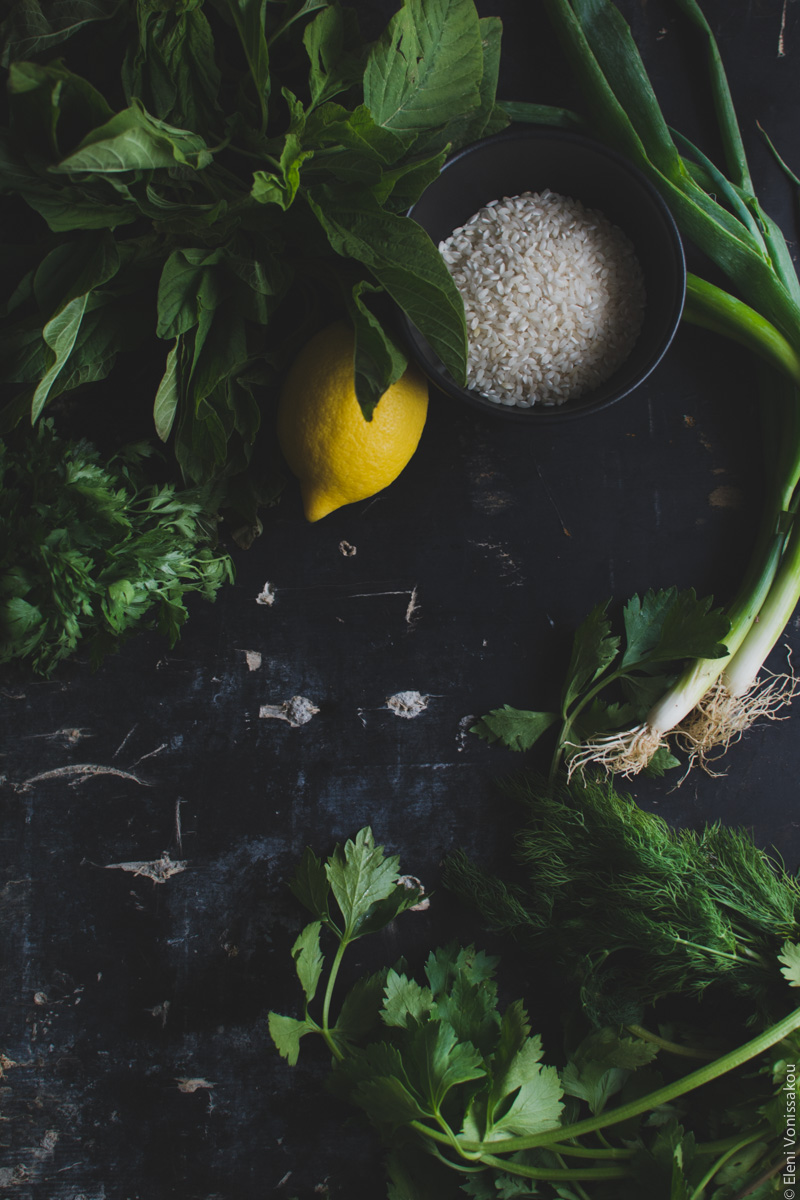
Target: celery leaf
[[286, 1033], [405, 998], [667, 625], [360, 876], [308, 958], [514, 727], [310, 885], [593, 649]]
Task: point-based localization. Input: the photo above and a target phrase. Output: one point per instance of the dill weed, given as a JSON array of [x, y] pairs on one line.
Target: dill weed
[[637, 910]]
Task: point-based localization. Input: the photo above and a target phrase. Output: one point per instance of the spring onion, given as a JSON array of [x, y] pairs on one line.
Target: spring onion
[[715, 700]]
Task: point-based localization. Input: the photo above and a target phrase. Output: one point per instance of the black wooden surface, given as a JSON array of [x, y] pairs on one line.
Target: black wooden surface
[[137, 1063]]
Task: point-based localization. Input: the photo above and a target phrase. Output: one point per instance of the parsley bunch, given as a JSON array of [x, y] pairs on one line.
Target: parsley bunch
[[460, 1097], [90, 553]]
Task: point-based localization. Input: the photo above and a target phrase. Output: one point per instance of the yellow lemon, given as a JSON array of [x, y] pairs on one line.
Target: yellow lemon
[[337, 455]]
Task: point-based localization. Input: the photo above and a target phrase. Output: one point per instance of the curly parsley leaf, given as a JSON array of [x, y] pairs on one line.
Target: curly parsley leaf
[[91, 553]]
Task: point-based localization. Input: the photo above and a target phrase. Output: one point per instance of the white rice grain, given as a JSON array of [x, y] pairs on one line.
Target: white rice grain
[[554, 297]]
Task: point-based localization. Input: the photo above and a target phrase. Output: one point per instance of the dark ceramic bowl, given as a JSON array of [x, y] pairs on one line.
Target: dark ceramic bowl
[[530, 159]]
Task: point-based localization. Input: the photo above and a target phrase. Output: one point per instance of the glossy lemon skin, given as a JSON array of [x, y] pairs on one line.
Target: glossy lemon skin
[[338, 457]]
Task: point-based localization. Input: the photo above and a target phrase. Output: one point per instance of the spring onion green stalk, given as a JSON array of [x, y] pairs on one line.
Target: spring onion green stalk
[[714, 700]]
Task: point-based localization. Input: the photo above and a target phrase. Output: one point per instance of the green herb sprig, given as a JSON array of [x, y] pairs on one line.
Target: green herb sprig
[[91, 553], [460, 1097], [635, 909], [661, 630]]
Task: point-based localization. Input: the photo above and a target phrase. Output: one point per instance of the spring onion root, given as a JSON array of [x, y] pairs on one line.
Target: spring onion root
[[721, 718], [626, 753]]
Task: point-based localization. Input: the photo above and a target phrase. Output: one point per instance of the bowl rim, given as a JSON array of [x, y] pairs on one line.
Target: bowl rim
[[568, 410]]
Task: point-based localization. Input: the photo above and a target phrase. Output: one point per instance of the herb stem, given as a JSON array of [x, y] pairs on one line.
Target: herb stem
[[579, 1188], [663, 1095], [452, 1140], [578, 707], [446, 1137], [718, 1163], [326, 1004], [753, 1187], [708, 949], [554, 1174], [723, 1144], [646, 1035], [571, 1150]]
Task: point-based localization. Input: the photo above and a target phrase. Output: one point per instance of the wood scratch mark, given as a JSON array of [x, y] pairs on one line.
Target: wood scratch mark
[[782, 32], [369, 595], [178, 828], [413, 608], [551, 498], [159, 869], [266, 595], [465, 727], [187, 1086], [297, 711], [152, 753], [161, 1011], [6, 1064], [726, 496], [79, 773], [125, 740], [407, 704], [70, 736]]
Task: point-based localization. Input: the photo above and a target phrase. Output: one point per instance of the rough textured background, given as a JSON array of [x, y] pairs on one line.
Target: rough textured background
[[153, 812]]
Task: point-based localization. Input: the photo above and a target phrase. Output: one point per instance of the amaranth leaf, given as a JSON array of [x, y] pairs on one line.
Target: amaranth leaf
[[427, 66]]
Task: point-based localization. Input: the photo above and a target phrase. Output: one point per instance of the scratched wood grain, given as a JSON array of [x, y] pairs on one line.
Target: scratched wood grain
[[153, 812]]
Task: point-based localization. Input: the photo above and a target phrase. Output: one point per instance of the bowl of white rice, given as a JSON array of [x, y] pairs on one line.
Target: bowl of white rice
[[571, 270]]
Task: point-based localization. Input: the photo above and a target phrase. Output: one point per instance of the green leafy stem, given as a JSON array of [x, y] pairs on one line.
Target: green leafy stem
[[661, 628], [438, 1061]]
